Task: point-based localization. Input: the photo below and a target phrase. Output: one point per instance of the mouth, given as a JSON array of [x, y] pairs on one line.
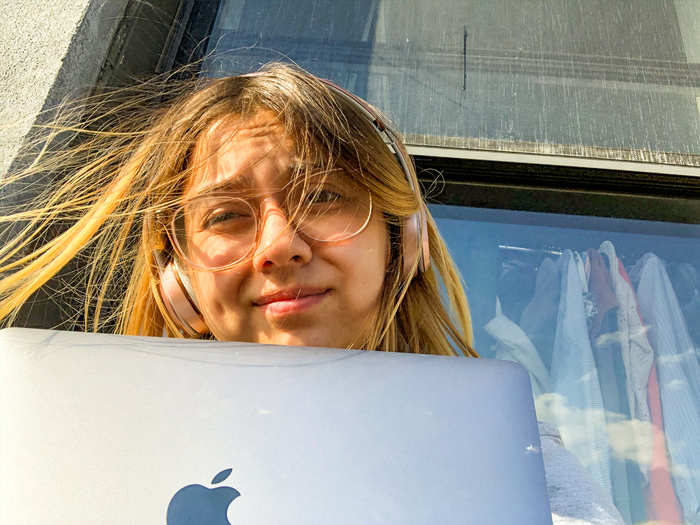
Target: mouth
[[290, 301]]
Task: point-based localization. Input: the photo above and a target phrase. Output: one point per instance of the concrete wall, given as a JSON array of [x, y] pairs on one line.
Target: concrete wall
[[49, 50]]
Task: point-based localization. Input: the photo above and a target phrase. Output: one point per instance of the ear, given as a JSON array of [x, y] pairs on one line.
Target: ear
[[178, 298]]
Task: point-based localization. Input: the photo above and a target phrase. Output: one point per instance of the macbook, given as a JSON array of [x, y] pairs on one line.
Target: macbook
[[112, 429]]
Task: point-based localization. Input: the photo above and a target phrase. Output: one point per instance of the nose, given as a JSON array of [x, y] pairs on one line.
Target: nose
[[279, 243]]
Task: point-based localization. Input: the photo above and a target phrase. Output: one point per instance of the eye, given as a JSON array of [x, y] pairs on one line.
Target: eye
[[220, 217], [226, 218], [324, 196]]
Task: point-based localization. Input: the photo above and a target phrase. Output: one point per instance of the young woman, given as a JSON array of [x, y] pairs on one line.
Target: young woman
[[273, 207]]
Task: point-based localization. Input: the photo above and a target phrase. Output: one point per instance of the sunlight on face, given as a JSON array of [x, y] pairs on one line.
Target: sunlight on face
[[289, 289]]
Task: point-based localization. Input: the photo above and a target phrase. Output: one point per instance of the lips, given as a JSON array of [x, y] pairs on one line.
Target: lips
[[292, 301], [288, 295]]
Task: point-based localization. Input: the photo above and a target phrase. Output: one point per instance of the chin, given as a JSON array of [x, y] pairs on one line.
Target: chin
[[293, 339], [309, 335]]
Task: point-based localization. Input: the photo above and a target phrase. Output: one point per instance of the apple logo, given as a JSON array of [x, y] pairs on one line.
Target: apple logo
[[196, 504]]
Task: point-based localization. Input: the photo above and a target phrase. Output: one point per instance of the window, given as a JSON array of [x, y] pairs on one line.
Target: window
[[605, 315], [603, 79], [587, 273]]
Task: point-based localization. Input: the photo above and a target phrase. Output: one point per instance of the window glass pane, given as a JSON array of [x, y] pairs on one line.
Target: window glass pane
[[601, 78], [605, 315]]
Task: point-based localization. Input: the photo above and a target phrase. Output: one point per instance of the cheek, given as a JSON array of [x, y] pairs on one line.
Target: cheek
[[217, 294], [366, 267], [366, 292]]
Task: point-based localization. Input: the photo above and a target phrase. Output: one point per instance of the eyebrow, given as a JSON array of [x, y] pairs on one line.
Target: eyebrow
[[244, 181], [232, 184]]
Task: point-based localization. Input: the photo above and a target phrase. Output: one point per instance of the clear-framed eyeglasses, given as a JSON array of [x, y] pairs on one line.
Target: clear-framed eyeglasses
[[217, 231]]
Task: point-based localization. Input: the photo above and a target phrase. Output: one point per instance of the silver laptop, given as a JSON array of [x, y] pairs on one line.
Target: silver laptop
[[103, 429]]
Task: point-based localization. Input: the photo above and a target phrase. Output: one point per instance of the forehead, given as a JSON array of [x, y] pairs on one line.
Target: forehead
[[240, 150]]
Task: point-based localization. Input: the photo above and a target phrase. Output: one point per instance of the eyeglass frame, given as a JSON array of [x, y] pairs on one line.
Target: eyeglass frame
[[172, 237]]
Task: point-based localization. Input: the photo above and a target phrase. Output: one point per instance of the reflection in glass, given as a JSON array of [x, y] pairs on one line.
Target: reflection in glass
[[604, 315]]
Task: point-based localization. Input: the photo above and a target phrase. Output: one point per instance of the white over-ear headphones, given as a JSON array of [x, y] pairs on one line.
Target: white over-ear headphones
[[179, 298], [176, 289]]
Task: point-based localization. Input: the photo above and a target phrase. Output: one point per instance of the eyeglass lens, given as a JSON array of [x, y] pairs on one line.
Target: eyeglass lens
[[219, 230]]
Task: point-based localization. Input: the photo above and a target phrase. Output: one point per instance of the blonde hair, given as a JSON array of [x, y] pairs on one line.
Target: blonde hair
[[129, 160]]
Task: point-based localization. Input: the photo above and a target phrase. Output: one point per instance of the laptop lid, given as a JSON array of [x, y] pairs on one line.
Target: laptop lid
[[112, 429]]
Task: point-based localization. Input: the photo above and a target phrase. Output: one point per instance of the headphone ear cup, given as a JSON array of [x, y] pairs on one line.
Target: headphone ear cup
[[415, 244], [424, 242], [176, 293]]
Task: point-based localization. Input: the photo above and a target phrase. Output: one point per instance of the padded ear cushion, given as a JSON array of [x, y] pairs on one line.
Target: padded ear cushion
[[424, 262], [176, 292], [184, 280], [415, 244]]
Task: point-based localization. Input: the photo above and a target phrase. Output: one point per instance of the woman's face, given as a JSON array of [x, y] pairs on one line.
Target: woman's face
[[290, 290]]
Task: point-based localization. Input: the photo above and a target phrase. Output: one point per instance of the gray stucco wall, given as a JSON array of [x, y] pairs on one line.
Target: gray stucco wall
[[49, 50]]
